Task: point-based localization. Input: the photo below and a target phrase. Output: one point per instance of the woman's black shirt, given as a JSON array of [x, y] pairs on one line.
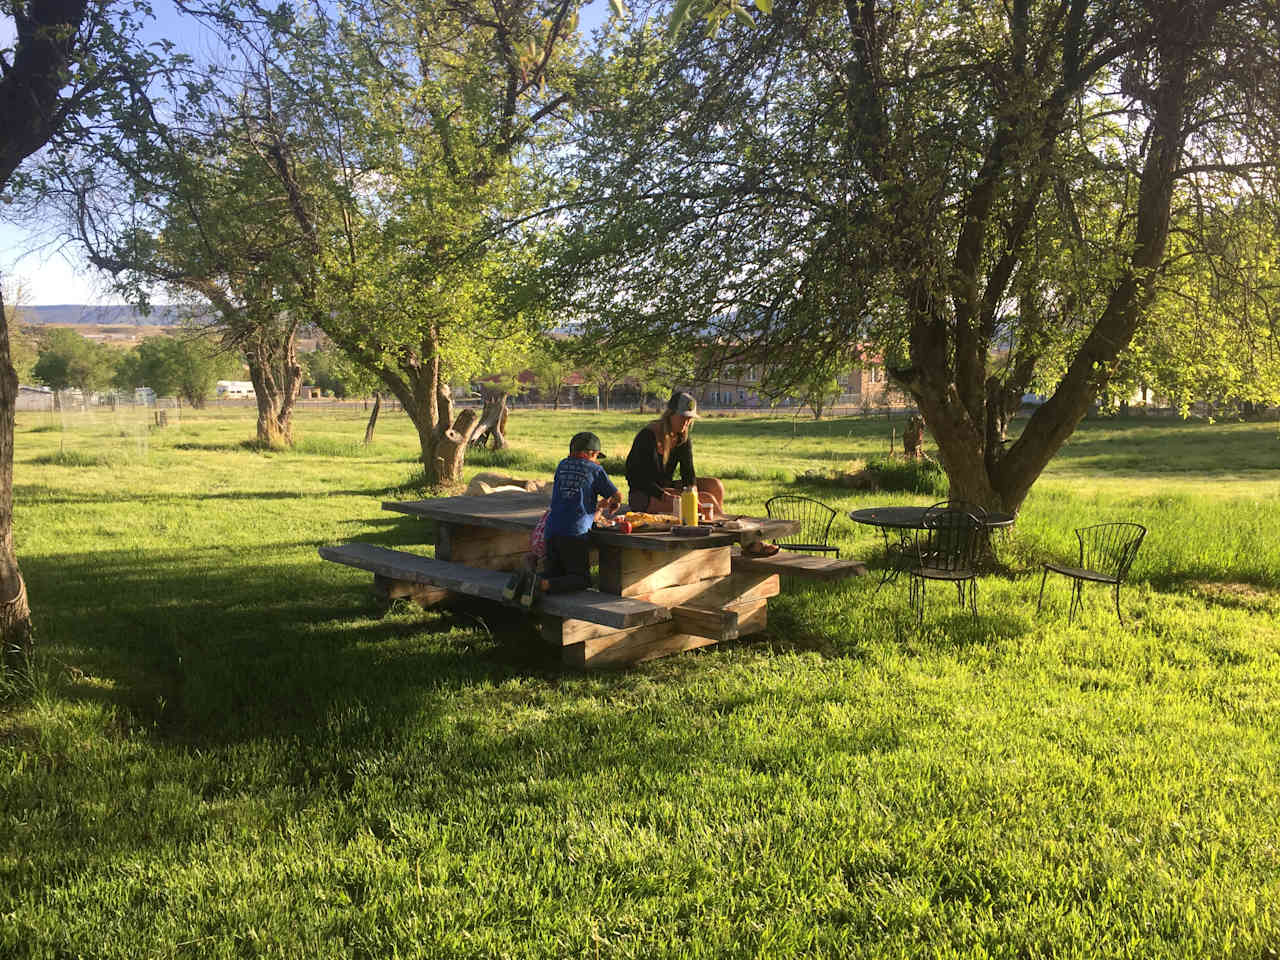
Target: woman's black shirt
[[645, 470]]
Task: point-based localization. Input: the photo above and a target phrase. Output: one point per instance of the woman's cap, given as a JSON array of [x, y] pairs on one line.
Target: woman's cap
[[584, 442], [682, 404]]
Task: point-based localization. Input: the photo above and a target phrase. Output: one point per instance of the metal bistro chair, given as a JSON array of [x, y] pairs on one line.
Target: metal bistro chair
[[964, 506], [986, 548], [814, 518], [1107, 551], [947, 550]]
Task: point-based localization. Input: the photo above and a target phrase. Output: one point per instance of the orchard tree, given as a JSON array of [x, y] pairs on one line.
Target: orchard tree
[[1215, 330], [69, 360], [22, 343], [187, 366], [552, 363], [402, 134], [819, 393], [950, 183], [194, 206]]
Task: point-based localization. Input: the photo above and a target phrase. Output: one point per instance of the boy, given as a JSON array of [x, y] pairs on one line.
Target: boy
[[578, 482]]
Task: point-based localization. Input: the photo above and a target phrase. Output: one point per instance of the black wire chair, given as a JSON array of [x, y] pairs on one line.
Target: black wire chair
[[814, 518], [962, 505], [987, 536], [1107, 551], [947, 550]]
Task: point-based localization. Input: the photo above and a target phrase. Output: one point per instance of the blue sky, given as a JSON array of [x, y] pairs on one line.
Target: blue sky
[[49, 270]]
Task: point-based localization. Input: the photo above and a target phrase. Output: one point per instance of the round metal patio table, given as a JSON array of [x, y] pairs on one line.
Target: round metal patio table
[[904, 520]]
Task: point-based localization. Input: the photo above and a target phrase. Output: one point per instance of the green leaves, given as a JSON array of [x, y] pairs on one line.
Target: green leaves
[[678, 16], [714, 12]]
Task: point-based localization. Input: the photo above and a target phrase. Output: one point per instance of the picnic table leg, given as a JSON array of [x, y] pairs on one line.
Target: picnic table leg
[[481, 546], [700, 579]]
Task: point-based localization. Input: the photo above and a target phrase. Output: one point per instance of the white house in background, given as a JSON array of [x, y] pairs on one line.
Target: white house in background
[[33, 398], [228, 389], [144, 396]]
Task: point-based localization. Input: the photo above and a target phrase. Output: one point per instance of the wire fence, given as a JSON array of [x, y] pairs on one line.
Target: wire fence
[[71, 401]]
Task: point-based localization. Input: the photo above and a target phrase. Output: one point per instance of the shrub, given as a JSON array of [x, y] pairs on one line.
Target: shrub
[[71, 458], [330, 447], [908, 476]]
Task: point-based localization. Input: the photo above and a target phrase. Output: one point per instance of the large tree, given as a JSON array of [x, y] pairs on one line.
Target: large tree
[[401, 134], [985, 192], [70, 67], [193, 205]]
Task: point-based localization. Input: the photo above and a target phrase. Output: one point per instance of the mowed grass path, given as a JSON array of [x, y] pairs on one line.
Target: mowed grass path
[[228, 753]]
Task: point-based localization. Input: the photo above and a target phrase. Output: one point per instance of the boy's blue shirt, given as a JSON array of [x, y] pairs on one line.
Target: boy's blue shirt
[[573, 496]]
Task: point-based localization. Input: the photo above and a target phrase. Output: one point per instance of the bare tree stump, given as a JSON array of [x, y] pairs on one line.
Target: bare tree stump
[[451, 451], [493, 420], [444, 406], [913, 438]]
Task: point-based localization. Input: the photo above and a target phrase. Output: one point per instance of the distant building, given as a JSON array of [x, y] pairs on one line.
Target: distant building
[[34, 398], [230, 389]]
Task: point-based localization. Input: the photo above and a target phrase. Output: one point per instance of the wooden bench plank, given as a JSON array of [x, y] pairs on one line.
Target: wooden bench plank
[[801, 565], [627, 647], [716, 592], [717, 624], [633, 572], [602, 608]]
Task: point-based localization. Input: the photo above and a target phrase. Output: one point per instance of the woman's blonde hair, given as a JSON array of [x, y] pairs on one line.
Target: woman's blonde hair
[[662, 430]]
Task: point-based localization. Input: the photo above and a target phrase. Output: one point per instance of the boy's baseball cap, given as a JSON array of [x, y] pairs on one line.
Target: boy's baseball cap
[[682, 404], [584, 442]]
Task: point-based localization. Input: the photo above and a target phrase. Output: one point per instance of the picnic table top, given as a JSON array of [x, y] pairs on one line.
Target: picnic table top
[[520, 512]]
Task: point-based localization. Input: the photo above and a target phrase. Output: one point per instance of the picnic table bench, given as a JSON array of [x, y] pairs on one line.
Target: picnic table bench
[[659, 592]]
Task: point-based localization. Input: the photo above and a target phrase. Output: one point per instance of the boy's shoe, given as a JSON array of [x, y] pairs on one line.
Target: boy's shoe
[[514, 586], [529, 591]]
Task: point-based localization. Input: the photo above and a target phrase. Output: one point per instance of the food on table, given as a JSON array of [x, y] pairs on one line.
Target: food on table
[[624, 526], [638, 519]]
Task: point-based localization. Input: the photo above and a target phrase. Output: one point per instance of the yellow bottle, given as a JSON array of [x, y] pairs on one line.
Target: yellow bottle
[[689, 507]]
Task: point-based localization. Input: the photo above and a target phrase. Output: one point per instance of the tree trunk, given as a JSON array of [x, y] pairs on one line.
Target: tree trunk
[[966, 421], [373, 419], [451, 449], [415, 382], [15, 613], [493, 419], [444, 407], [277, 381]]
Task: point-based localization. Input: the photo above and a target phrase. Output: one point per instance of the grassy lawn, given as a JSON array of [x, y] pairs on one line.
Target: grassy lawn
[[228, 753]]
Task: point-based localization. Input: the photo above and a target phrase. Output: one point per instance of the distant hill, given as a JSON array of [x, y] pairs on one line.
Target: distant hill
[[117, 314]]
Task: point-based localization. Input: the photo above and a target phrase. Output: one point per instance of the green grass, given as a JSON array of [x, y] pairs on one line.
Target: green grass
[[222, 751]]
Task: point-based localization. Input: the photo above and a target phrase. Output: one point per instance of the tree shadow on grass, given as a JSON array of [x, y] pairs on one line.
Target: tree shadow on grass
[[268, 691], [211, 648], [35, 493], [393, 531]]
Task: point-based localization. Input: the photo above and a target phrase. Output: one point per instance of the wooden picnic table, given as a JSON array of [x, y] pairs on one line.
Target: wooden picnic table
[[691, 576], [658, 592]]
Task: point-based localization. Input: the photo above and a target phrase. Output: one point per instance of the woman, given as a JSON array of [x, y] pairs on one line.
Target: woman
[[656, 452]]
